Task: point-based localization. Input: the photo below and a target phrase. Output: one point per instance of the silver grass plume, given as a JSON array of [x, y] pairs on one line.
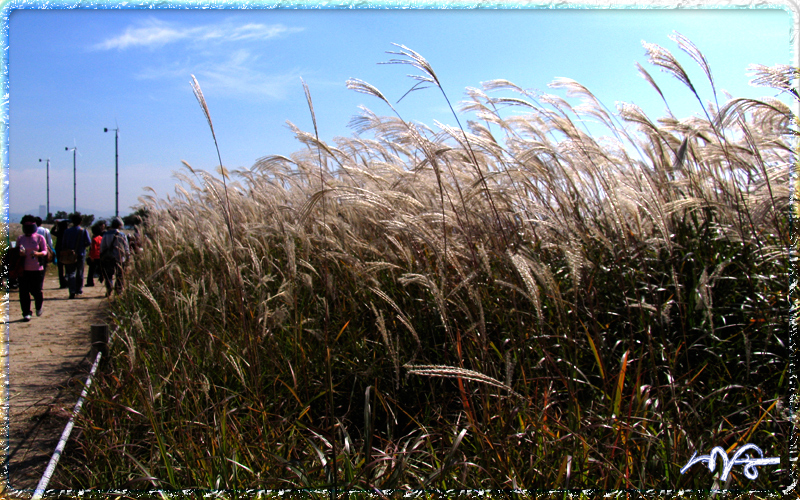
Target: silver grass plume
[[780, 77], [416, 60], [653, 84], [319, 152], [687, 46], [664, 59], [198, 93], [455, 372]]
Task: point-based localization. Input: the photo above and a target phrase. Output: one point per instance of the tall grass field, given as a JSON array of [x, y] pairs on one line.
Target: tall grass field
[[507, 303]]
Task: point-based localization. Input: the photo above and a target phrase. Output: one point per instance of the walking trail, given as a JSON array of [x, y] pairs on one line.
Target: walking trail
[[46, 364]]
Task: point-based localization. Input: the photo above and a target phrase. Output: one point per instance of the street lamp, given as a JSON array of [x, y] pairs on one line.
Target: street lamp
[[116, 168], [74, 178], [48, 185]]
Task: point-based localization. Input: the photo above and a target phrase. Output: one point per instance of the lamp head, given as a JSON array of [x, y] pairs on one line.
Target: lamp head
[[105, 129]]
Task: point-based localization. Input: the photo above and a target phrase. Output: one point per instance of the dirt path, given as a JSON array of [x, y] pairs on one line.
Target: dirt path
[[47, 362]]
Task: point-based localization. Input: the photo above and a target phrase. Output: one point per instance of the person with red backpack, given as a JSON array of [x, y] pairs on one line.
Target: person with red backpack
[[94, 252]]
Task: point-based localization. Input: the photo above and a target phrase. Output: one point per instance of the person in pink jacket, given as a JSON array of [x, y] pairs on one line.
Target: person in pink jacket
[[32, 246]]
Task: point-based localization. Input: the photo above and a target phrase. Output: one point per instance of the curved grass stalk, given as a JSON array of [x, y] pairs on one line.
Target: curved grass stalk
[[198, 93]]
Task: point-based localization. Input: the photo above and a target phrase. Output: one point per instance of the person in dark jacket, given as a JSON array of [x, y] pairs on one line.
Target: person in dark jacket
[[58, 232], [114, 251], [76, 238]]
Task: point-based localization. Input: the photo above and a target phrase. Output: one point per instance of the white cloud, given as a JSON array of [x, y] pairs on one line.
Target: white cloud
[[251, 31], [155, 33], [234, 73], [239, 75], [221, 55]]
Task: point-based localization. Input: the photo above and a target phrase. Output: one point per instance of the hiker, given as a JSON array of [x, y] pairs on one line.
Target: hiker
[[58, 232], [114, 251], [31, 246], [76, 241], [48, 238], [94, 253]]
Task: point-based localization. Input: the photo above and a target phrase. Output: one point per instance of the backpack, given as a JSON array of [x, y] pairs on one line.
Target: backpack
[[107, 256], [70, 255], [50, 257]]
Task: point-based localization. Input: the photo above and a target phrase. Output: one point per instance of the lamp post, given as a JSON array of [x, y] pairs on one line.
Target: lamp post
[[74, 178], [48, 185], [116, 169]]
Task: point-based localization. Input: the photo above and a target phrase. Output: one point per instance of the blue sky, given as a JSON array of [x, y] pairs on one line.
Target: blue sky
[[71, 73]]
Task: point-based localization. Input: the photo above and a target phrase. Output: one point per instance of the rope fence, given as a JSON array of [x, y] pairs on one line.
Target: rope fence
[[102, 347]]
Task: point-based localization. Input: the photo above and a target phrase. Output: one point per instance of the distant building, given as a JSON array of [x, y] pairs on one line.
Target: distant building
[[43, 211]]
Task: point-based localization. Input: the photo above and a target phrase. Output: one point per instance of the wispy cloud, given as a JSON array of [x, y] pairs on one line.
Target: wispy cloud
[[236, 74], [240, 75], [154, 33], [223, 55]]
